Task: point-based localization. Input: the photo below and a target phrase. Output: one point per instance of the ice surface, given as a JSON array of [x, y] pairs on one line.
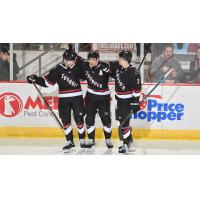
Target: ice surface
[[53, 146]]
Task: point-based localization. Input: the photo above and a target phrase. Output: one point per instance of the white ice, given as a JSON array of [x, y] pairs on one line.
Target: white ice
[[53, 146]]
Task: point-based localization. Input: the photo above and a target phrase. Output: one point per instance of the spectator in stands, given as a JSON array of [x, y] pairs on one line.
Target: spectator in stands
[[195, 68], [157, 49], [5, 57], [4, 66], [192, 48], [163, 63]]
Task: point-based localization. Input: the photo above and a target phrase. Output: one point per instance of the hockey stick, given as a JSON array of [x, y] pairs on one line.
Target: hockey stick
[[56, 118], [145, 54], [143, 103]]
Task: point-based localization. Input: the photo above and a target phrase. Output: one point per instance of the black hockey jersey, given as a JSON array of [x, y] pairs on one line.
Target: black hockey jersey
[[97, 78], [127, 81], [68, 80]]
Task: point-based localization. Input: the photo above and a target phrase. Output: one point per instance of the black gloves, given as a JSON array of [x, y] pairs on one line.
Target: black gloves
[[35, 79], [32, 78]]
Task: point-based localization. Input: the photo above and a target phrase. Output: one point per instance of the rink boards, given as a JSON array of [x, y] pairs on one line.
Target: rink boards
[[172, 112]]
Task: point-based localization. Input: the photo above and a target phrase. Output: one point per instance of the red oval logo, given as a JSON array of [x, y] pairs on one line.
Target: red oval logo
[[10, 104]]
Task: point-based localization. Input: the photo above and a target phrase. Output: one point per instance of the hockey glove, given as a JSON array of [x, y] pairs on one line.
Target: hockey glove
[[32, 78]]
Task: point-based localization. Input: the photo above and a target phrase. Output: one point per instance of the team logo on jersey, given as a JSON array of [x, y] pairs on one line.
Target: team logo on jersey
[[92, 81], [69, 80], [119, 80], [10, 104]]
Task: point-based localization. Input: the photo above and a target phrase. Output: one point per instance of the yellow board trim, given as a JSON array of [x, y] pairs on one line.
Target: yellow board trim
[[46, 132]]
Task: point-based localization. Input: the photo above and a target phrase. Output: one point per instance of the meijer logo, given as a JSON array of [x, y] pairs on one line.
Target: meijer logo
[[10, 104]]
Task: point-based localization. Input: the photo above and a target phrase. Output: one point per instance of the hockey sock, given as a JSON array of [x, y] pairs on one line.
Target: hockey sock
[[126, 133], [81, 131], [107, 132], [68, 132], [91, 132]]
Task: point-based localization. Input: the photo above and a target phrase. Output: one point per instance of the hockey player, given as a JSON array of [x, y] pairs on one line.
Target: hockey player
[[127, 88], [97, 97], [67, 75]]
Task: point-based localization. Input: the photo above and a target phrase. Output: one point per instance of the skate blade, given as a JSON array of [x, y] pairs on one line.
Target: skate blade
[[110, 148], [90, 149], [131, 150], [69, 150], [123, 153]]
